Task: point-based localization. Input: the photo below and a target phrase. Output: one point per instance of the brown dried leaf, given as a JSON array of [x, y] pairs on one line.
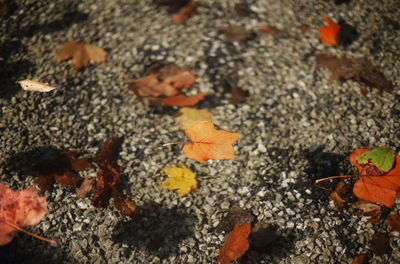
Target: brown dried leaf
[[238, 33], [339, 196], [36, 86], [238, 95], [182, 100], [108, 151], [85, 189], [187, 11], [81, 53], [360, 259], [107, 177], [380, 243], [271, 30], [394, 222], [235, 214], [360, 69], [372, 210], [125, 204]]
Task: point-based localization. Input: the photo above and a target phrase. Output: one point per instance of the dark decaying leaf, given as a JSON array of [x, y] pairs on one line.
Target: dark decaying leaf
[[62, 169], [238, 33], [360, 259], [185, 12], [85, 189], [109, 151], [107, 178], [394, 222], [243, 9], [372, 210], [238, 95], [156, 242], [347, 34], [263, 236], [125, 204], [340, 195], [271, 30], [380, 243], [235, 214], [360, 69]]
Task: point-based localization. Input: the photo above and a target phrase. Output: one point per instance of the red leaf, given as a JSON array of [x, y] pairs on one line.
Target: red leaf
[[185, 13], [24, 208], [108, 151], [394, 222], [181, 100], [328, 34], [236, 243], [376, 189], [107, 178]]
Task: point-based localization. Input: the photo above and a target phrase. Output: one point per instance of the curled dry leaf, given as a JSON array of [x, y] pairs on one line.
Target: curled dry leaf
[[85, 189], [188, 116], [360, 259], [394, 222], [369, 209], [81, 53], [380, 243], [235, 214], [360, 69], [23, 208], [182, 100], [181, 179], [382, 189], [187, 11], [209, 143], [62, 169], [125, 204], [236, 243], [339, 196], [108, 152], [36, 86]]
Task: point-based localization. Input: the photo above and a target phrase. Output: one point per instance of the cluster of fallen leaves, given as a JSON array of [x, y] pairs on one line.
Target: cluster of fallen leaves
[[378, 185]]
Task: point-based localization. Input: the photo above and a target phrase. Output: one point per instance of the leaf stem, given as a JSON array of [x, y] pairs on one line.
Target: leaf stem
[[329, 178], [173, 143], [29, 233]]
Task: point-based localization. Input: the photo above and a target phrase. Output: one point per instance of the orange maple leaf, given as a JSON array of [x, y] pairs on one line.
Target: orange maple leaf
[[181, 100], [208, 143], [329, 33], [236, 243], [382, 189]]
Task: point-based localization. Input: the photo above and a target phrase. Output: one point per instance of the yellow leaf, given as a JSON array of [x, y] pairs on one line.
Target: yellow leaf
[[188, 116], [181, 179]]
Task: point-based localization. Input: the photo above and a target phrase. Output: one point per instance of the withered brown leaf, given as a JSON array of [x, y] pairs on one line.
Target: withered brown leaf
[[125, 204], [187, 11], [340, 195], [238, 33], [372, 210], [85, 189]]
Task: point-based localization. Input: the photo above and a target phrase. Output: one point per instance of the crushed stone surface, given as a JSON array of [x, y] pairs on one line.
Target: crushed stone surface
[[295, 126]]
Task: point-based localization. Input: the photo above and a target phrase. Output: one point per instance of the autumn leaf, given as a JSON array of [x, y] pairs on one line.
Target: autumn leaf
[[81, 53], [238, 95], [369, 209], [208, 143], [238, 33], [339, 196], [85, 189], [360, 259], [181, 179], [380, 243], [23, 208], [125, 204], [394, 222], [360, 69], [188, 116], [185, 12], [36, 86], [236, 243], [182, 100], [382, 189], [62, 169], [329, 33], [270, 30], [378, 161]]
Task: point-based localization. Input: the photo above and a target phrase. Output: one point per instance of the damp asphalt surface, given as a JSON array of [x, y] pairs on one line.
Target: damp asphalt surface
[[296, 126]]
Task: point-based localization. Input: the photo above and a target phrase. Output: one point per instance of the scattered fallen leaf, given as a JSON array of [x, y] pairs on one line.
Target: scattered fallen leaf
[[238, 95], [62, 169], [182, 100], [235, 214], [125, 204], [109, 150], [36, 86], [369, 209], [262, 236], [238, 33], [85, 189], [181, 179], [360, 259], [208, 143], [394, 222], [382, 189], [164, 80], [361, 69], [270, 30], [236, 243], [81, 53], [21, 208], [329, 33], [107, 178], [185, 12], [339, 196], [380, 243], [347, 34], [377, 161], [188, 116]]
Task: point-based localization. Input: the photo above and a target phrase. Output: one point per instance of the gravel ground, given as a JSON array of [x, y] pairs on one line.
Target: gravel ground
[[295, 127]]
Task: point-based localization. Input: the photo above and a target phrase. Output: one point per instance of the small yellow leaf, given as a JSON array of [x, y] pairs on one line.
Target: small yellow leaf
[[181, 179], [188, 116]]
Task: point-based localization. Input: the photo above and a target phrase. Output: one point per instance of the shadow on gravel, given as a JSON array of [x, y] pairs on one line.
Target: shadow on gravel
[[158, 232]]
